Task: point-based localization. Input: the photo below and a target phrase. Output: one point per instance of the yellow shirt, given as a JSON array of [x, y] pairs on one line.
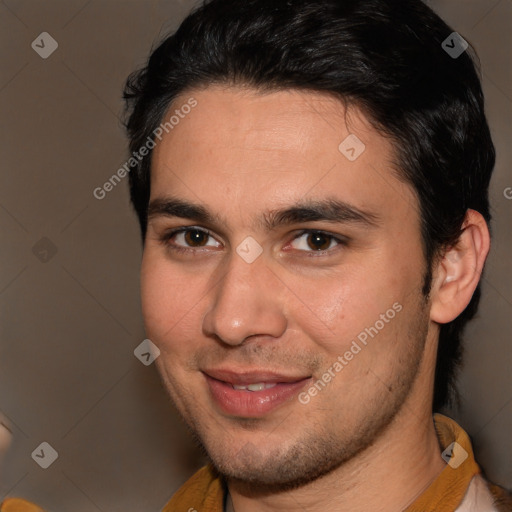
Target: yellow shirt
[[17, 505], [459, 489]]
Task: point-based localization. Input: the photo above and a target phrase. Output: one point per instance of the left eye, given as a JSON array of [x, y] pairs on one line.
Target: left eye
[[316, 240]]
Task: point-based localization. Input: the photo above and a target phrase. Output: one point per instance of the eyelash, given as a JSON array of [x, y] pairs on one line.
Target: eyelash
[[165, 238]]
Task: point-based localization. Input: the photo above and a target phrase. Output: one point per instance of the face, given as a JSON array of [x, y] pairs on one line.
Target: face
[[277, 258]]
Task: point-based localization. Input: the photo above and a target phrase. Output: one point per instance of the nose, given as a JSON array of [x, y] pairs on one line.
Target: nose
[[246, 301]]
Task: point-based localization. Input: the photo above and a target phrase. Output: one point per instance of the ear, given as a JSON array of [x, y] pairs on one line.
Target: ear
[[458, 272]]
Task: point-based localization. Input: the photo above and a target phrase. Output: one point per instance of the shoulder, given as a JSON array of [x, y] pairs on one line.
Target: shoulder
[[205, 490], [18, 505], [502, 497], [484, 496]]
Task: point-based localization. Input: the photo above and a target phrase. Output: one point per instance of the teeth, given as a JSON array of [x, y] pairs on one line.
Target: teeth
[[255, 387]]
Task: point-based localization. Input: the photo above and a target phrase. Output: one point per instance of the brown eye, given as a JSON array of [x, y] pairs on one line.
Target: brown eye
[[196, 238], [315, 241], [188, 239], [319, 241]]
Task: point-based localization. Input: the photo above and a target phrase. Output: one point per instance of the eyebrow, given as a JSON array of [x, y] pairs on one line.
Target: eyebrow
[[327, 210]]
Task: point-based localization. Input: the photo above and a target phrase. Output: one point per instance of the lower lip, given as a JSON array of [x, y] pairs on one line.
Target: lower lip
[[251, 404]]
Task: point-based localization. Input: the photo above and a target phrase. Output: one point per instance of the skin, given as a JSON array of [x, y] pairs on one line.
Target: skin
[[5, 436], [366, 441]]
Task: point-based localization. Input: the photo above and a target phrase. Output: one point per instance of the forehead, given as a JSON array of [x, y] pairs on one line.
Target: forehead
[[241, 149], [288, 122]]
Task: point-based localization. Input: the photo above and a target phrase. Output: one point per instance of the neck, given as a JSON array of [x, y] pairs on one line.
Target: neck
[[388, 476]]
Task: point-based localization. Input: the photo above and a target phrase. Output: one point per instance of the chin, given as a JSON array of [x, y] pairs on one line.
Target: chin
[[277, 468]]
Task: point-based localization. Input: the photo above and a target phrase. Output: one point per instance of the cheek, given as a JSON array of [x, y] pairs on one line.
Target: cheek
[[154, 301], [170, 301], [334, 308]]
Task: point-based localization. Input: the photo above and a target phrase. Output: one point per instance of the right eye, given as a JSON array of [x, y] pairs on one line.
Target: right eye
[[185, 239]]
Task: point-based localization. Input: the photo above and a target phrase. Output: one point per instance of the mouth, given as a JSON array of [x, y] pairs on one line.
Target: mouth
[[251, 394]]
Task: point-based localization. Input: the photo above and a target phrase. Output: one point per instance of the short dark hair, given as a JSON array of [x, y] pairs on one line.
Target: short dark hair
[[384, 56]]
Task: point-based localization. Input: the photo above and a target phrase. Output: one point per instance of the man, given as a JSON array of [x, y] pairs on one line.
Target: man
[[311, 180]]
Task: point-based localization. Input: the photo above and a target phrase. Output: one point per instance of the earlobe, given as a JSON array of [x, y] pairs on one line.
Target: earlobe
[[458, 272]]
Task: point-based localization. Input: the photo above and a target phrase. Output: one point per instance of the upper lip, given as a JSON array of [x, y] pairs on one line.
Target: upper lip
[[245, 377]]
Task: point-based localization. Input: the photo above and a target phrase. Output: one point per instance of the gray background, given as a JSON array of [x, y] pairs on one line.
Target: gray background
[[71, 320]]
